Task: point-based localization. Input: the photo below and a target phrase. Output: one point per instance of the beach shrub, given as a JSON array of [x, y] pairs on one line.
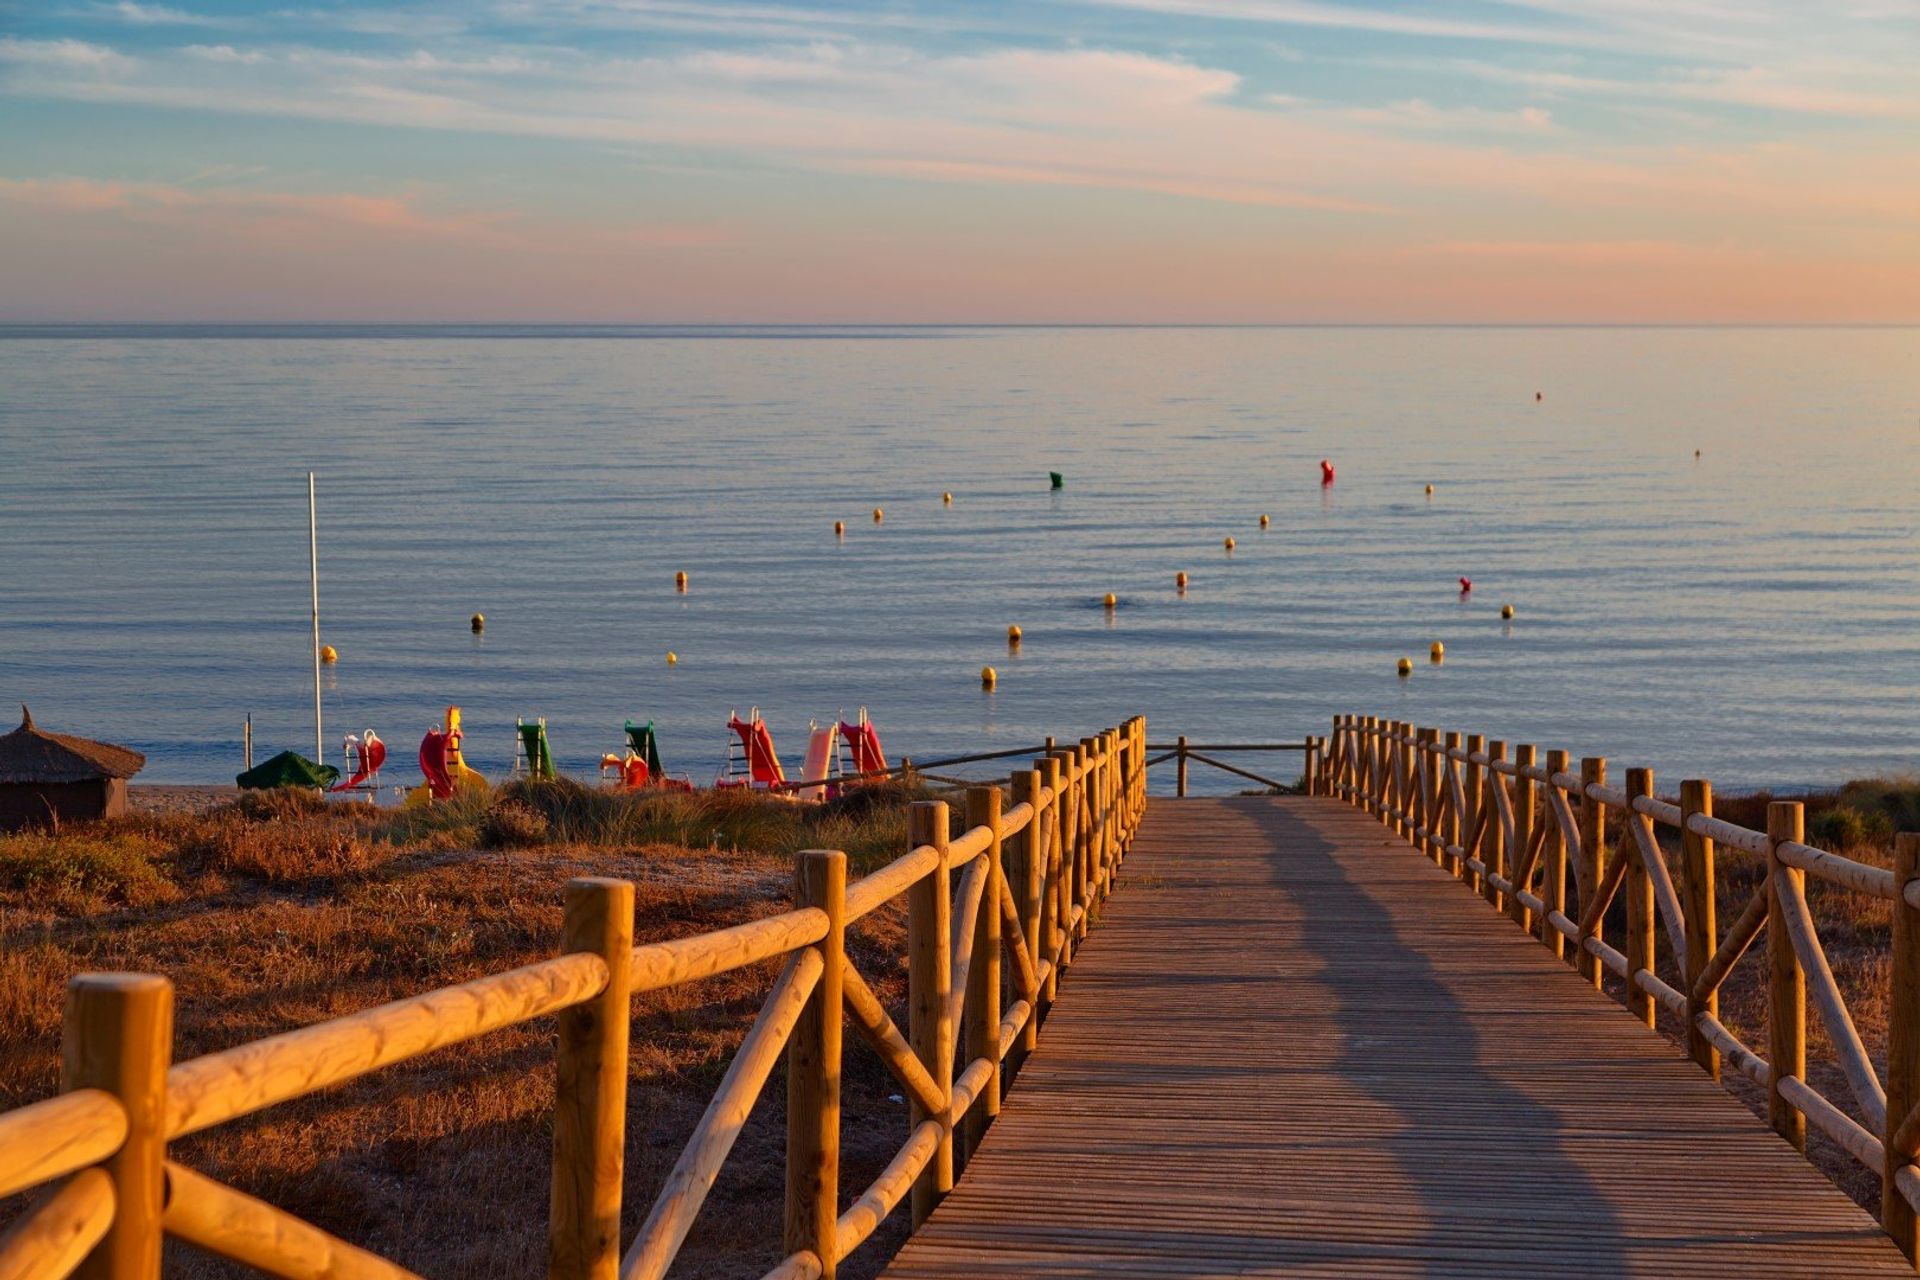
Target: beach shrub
[[1845, 827], [86, 868], [1893, 802], [512, 824]]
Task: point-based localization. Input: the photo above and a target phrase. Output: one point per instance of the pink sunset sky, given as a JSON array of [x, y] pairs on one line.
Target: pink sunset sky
[[1098, 161]]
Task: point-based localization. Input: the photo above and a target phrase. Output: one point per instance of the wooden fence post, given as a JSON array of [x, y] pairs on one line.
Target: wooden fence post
[[1089, 831], [1426, 784], [1903, 1043], [1398, 799], [1180, 766], [1593, 858], [1025, 877], [1337, 773], [590, 1095], [1494, 840], [1786, 980], [1637, 889], [983, 971], [1525, 793], [1110, 810], [813, 1071], [1553, 860], [1051, 870], [929, 984], [1450, 829], [1475, 791], [1310, 771], [119, 1037], [1703, 932]]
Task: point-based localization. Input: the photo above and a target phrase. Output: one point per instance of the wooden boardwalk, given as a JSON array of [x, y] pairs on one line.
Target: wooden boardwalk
[[1296, 1047]]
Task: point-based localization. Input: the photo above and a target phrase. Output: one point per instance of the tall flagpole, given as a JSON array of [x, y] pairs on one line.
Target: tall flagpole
[[313, 578]]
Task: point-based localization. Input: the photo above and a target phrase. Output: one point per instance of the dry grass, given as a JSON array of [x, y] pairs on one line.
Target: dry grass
[[274, 913]]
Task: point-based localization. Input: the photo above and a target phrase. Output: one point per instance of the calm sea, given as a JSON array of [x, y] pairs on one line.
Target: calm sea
[[1751, 614]]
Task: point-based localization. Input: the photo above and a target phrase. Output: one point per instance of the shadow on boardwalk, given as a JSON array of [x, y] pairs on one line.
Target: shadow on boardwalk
[[1470, 1145]]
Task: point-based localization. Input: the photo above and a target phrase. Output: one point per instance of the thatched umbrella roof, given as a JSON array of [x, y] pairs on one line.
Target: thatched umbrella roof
[[32, 755]]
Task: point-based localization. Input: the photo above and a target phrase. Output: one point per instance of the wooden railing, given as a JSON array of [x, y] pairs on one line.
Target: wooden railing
[[1512, 829], [1021, 886], [1181, 752]]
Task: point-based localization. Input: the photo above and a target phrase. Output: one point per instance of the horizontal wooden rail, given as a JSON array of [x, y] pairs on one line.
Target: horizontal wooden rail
[[1181, 752], [43, 1140], [1030, 874], [1517, 830]]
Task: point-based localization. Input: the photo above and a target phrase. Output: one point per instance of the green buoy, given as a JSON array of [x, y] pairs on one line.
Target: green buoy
[[1059, 481]]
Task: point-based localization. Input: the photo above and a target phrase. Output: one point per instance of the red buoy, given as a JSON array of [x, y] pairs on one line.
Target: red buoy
[[1466, 585], [1326, 472]]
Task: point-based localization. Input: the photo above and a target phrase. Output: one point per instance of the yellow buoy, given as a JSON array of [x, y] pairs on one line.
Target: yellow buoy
[[1263, 522], [1110, 600], [1429, 491], [329, 654], [478, 622], [839, 528], [1229, 544], [988, 677], [946, 499], [1506, 611], [672, 658], [680, 581], [878, 515], [1013, 634], [1406, 666], [1437, 651], [1180, 581]]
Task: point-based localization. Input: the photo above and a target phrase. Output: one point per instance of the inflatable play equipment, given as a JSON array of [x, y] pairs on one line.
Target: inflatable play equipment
[[442, 765], [751, 758], [821, 757], [640, 766], [364, 753], [860, 747], [531, 755]]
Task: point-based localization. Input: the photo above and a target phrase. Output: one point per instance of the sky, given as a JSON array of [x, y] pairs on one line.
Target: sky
[[1102, 161]]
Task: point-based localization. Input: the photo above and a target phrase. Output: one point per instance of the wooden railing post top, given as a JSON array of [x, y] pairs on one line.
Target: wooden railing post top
[[1593, 769], [927, 823], [126, 985], [583, 888], [807, 859], [1557, 760], [1451, 739], [1785, 821], [1639, 782], [1476, 742], [1428, 735], [1496, 749], [1525, 753], [1696, 795]]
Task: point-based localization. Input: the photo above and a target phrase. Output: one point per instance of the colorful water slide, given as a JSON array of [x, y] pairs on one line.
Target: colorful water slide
[[863, 744], [762, 761], [367, 754], [820, 751]]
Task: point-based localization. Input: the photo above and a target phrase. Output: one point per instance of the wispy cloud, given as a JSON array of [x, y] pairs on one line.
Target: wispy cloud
[[149, 15]]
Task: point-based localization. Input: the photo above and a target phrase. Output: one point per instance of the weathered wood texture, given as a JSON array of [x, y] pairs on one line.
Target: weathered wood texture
[[1297, 1047]]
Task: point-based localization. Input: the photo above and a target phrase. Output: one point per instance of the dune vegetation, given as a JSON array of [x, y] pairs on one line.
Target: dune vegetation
[[276, 910]]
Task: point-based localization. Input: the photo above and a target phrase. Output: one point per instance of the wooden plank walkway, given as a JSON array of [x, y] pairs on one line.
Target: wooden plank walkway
[[1295, 1047]]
